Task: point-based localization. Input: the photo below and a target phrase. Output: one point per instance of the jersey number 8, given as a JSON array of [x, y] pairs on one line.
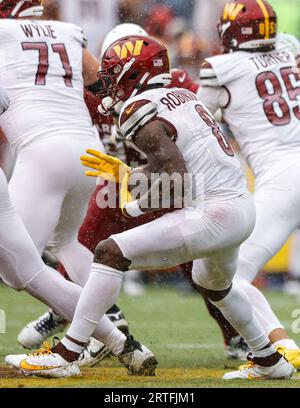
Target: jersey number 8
[[216, 130]]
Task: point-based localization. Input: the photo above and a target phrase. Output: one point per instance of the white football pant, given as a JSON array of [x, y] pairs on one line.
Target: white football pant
[[50, 192], [22, 268]]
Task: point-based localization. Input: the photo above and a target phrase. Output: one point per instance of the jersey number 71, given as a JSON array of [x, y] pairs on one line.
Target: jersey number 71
[[43, 64]]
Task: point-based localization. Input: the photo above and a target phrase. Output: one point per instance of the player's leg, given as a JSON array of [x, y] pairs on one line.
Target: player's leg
[[277, 203], [64, 244], [22, 267], [40, 180], [143, 247], [276, 217], [37, 188], [42, 176], [236, 307], [99, 224], [187, 234]]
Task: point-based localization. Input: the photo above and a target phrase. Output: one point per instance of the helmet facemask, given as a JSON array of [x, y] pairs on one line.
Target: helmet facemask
[[21, 8]]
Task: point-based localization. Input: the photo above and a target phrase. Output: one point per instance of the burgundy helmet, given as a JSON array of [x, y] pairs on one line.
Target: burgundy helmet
[[247, 25], [128, 66], [21, 8]]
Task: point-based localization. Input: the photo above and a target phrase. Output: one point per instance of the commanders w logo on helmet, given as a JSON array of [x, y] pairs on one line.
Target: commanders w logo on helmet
[[231, 10], [129, 48]]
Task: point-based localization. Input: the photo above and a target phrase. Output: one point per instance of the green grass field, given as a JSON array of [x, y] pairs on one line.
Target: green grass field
[[187, 343]]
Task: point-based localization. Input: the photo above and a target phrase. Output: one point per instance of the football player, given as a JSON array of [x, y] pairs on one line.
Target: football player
[[180, 138], [257, 85], [45, 66], [100, 223]]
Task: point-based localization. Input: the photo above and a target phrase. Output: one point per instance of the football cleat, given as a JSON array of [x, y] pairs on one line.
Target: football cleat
[[43, 363], [93, 353], [36, 332], [282, 370], [97, 351], [237, 349], [292, 356], [137, 358], [117, 317]]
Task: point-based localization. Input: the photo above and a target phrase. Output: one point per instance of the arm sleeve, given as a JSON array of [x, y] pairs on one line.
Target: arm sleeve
[[214, 97]]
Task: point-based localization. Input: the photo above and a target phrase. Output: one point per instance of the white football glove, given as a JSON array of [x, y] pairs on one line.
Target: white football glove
[[4, 100]]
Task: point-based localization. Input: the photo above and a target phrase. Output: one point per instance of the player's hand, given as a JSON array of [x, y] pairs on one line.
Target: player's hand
[[181, 79], [4, 100], [105, 166]]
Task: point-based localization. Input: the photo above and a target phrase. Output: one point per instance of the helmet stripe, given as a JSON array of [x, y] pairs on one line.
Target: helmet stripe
[[266, 16]]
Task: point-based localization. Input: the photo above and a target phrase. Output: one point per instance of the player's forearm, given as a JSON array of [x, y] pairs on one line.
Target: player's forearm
[[90, 68], [165, 192]]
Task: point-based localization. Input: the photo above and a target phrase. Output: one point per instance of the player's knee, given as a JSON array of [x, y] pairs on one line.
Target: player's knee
[[213, 295], [108, 253], [247, 270]]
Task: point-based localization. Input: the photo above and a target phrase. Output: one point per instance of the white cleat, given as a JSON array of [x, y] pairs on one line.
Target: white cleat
[[137, 358], [43, 363], [237, 349], [35, 333], [282, 370], [93, 353], [97, 351]]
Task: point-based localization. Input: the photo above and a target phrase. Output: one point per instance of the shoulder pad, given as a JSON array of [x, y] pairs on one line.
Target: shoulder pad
[[135, 115], [207, 75], [288, 42]]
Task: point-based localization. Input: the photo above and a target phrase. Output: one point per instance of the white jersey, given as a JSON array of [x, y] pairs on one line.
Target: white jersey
[[97, 17], [263, 105], [41, 68], [210, 161]]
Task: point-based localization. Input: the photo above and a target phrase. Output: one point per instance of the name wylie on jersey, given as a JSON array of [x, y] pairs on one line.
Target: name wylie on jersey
[[32, 30]]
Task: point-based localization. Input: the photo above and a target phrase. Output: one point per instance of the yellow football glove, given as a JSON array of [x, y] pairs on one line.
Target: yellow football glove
[[108, 167]]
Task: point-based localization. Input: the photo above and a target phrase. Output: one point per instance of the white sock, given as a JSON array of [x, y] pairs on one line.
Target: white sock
[[62, 296], [99, 294], [262, 309], [238, 310], [115, 341], [288, 343], [70, 345], [265, 352]]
